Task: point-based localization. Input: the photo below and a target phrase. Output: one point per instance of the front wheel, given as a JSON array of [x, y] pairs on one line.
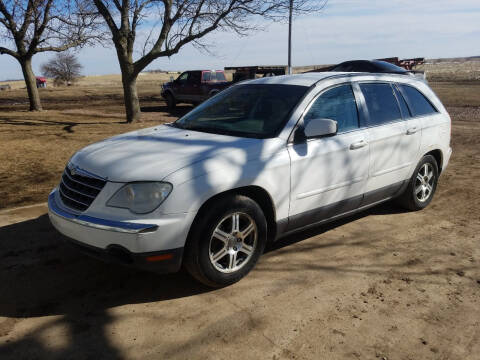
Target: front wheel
[[227, 241], [422, 185], [171, 103]]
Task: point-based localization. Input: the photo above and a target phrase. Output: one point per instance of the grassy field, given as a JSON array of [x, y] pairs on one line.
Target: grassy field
[[35, 146]]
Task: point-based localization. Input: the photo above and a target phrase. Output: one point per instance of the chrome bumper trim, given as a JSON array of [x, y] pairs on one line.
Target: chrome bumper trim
[[109, 225]]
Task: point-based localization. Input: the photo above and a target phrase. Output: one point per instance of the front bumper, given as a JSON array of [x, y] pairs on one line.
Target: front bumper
[[115, 241]]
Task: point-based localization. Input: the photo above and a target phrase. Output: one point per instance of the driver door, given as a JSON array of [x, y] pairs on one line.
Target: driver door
[[180, 86], [328, 174]]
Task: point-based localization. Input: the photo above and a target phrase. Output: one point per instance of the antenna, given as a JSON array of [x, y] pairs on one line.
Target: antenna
[[290, 38]]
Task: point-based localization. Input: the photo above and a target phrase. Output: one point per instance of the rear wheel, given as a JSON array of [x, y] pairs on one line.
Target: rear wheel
[[171, 103], [422, 185], [227, 242]]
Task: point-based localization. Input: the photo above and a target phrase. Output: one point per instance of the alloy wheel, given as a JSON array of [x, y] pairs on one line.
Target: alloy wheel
[[424, 182], [233, 242]]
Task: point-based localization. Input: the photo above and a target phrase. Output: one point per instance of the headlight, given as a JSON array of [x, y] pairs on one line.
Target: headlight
[[141, 197]]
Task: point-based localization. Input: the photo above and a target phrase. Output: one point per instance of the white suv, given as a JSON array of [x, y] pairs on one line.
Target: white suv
[[260, 160]]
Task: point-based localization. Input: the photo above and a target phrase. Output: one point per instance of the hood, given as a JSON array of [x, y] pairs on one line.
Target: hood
[[152, 154]]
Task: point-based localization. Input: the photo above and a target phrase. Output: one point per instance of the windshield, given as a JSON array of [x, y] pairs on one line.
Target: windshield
[[250, 110]]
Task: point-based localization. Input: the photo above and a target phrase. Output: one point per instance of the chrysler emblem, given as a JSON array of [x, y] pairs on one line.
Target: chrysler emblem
[[71, 167]]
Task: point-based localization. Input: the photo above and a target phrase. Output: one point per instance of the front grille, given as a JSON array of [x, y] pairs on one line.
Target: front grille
[[79, 191]]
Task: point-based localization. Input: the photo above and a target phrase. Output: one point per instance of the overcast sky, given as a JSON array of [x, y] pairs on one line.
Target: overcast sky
[[344, 30]]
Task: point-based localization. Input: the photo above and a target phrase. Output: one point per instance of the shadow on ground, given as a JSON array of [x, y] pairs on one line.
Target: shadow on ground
[[41, 275], [176, 112]]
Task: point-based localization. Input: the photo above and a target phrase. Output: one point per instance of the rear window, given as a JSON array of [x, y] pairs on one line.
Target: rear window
[[419, 105], [381, 103], [213, 76], [220, 76]]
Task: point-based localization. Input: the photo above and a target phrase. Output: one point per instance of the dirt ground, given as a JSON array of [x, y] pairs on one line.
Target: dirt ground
[[384, 284]]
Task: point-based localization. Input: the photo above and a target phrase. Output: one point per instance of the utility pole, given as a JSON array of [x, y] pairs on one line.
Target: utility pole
[[290, 38]]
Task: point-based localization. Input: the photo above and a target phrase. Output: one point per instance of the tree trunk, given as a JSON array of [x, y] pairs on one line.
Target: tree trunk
[[31, 82], [130, 96]]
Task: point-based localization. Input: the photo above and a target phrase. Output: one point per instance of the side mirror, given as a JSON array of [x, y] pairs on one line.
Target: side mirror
[[320, 127]]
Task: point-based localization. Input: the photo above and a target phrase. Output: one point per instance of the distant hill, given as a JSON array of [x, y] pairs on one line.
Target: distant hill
[[455, 59]]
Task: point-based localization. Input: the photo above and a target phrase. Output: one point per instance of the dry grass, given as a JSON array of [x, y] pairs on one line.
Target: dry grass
[[34, 147], [452, 70]]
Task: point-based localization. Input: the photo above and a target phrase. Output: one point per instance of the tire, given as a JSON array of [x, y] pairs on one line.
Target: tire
[[421, 188], [218, 253], [171, 103]]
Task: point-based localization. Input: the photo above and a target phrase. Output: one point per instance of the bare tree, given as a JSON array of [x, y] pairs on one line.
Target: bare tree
[[28, 27], [64, 68], [181, 22]]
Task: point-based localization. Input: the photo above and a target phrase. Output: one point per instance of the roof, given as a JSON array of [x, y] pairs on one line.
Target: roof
[[203, 70], [257, 67], [309, 79]]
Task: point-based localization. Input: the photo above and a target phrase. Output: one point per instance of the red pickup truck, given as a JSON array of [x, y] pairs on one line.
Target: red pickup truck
[[194, 87]]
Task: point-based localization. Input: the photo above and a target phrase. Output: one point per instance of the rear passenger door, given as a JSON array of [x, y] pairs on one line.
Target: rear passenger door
[[424, 121], [390, 147]]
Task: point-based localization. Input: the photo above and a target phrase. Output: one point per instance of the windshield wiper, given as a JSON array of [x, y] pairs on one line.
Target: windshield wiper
[[176, 125], [220, 131]]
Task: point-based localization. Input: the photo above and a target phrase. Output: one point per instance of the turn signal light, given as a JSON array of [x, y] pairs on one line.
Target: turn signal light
[[159, 257]]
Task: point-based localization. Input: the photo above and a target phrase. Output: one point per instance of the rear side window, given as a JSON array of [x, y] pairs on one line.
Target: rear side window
[[419, 105], [381, 103], [336, 104], [207, 76]]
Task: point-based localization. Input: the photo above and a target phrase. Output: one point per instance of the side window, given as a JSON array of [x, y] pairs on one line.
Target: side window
[[183, 77], [381, 103], [417, 102], [336, 104]]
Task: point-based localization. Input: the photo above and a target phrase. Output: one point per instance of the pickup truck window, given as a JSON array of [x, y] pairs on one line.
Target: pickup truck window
[[183, 77], [250, 110]]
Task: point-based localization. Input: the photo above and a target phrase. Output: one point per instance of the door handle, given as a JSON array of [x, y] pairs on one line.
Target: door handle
[[358, 145], [412, 130]]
